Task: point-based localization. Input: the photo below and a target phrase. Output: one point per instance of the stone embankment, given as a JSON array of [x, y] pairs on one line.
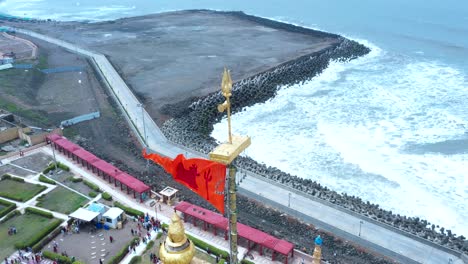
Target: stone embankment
[[193, 123]]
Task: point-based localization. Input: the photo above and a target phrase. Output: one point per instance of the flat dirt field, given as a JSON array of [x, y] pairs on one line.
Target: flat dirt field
[[170, 57]]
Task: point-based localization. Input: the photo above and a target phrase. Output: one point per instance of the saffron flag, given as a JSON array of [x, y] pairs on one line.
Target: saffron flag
[[205, 177]]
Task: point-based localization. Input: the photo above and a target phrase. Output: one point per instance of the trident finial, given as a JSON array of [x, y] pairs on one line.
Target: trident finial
[[226, 88]]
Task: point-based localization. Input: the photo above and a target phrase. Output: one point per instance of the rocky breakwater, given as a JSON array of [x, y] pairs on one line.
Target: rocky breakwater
[[193, 122]]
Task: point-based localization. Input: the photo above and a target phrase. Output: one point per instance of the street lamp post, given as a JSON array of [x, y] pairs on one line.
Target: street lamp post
[[143, 120], [145, 139], [53, 153], [360, 226]]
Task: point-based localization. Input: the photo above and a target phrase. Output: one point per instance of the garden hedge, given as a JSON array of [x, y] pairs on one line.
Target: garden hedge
[[203, 245], [32, 210], [44, 179], [106, 196], [60, 259], [128, 210], [149, 245], [135, 260], [46, 239], [91, 185], [38, 236], [121, 254], [8, 207], [63, 166], [244, 261], [52, 167], [77, 179], [10, 215], [92, 194], [9, 177]]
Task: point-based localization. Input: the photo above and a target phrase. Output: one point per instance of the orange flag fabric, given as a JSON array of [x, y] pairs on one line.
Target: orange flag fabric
[[205, 177]]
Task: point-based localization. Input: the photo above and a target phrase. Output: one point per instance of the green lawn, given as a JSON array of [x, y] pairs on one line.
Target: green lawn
[[27, 226], [19, 191], [62, 200]]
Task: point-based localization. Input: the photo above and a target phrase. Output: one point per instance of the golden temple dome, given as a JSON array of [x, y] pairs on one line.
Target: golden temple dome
[[176, 249]]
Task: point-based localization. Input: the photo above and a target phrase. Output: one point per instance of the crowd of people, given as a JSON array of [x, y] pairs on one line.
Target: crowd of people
[[25, 256]]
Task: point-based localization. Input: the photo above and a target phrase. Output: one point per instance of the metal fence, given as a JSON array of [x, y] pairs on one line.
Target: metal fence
[[80, 118]]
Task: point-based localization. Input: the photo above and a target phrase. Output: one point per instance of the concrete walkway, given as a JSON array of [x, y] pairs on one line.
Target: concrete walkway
[[387, 241]]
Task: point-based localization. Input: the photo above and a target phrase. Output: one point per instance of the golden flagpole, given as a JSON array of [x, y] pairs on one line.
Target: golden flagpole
[[225, 153]]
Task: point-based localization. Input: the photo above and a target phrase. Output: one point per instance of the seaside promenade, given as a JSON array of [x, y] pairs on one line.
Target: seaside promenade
[[360, 230]]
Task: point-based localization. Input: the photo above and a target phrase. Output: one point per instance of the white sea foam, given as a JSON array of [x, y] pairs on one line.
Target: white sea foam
[[352, 128]]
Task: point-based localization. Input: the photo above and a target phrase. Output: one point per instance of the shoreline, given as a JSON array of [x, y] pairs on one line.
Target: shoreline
[[255, 81], [192, 128]]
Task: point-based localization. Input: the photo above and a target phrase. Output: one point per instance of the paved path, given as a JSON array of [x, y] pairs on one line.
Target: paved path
[[373, 236]]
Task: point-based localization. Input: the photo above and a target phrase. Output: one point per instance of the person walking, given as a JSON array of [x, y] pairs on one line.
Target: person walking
[[100, 261], [111, 239]]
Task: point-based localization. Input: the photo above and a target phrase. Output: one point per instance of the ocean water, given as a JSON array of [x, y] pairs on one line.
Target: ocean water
[[390, 127]]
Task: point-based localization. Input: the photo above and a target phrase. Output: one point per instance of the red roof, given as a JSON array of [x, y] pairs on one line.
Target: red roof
[[283, 247], [247, 232], [85, 155], [99, 164], [251, 233], [203, 214], [107, 168], [54, 137], [132, 182], [67, 145]]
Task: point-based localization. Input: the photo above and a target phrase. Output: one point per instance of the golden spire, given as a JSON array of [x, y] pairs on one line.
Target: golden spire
[[226, 89], [176, 249]]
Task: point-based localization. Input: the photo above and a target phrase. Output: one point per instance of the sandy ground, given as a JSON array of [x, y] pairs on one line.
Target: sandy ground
[[167, 58]]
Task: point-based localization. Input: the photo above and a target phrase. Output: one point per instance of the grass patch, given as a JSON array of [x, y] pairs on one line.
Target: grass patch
[[70, 132], [33, 115], [42, 62], [62, 200], [19, 191], [29, 227], [44, 179]]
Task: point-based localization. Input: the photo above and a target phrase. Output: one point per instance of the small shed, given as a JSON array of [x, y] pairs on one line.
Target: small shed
[[114, 217], [168, 195], [97, 208], [84, 215], [7, 60]]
